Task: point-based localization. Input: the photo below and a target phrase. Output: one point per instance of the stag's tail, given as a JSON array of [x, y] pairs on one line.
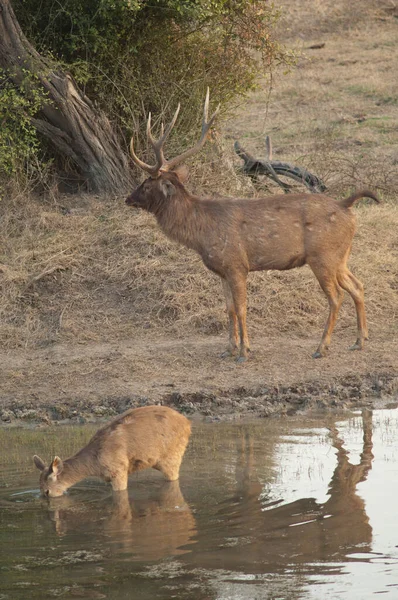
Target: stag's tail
[[347, 202]]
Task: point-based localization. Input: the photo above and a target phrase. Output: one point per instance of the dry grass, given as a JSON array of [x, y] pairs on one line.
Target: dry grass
[[82, 268], [309, 18], [336, 112]]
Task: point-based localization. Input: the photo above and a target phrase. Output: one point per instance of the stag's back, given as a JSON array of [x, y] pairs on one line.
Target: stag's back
[[277, 232]]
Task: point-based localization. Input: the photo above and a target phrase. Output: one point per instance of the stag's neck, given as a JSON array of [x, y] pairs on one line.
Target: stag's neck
[[182, 219], [78, 467]]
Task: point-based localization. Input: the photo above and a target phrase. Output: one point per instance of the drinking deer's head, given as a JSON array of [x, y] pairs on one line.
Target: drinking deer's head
[[50, 484]]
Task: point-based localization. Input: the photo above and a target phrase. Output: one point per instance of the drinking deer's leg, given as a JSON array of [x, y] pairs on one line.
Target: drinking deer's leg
[[233, 321], [119, 481], [335, 295], [170, 464], [170, 468], [355, 288], [116, 471], [122, 514], [238, 289]]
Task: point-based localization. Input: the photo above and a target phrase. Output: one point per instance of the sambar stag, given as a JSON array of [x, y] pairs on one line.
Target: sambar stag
[[234, 236]]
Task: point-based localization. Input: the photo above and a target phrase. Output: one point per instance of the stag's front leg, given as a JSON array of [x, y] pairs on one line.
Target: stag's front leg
[[233, 322], [237, 286]]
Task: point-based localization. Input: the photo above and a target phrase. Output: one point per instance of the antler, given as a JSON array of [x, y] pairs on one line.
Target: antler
[[157, 145], [206, 124]]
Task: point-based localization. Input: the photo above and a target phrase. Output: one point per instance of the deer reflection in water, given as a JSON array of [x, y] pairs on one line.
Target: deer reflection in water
[[263, 536], [150, 527]]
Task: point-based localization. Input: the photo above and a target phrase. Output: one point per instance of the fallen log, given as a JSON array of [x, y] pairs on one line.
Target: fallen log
[[253, 167]]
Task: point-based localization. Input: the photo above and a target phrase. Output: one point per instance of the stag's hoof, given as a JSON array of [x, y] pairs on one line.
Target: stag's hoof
[[317, 354], [228, 353], [356, 346], [241, 359]]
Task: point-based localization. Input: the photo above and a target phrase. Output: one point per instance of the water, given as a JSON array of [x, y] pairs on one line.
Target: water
[[273, 509]]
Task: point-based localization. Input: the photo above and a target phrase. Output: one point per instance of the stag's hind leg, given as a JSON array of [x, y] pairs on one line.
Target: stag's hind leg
[[233, 321], [355, 288], [334, 293]]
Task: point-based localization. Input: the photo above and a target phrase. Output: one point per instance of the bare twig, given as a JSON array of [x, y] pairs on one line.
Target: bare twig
[[43, 274]]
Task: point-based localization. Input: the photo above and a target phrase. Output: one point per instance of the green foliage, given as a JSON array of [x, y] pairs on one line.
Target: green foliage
[[136, 56], [18, 140]]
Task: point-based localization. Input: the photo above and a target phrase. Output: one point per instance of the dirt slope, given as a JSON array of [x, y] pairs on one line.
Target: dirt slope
[[112, 314]]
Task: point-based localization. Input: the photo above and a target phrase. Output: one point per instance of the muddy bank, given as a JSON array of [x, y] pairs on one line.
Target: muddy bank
[[242, 402]]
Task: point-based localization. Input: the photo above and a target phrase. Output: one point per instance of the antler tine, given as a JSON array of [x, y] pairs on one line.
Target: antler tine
[[139, 163], [206, 124], [157, 145], [170, 126], [151, 169], [148, 129]]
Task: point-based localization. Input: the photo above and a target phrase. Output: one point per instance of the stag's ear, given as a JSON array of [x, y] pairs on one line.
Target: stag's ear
[[182, 173], [39, 463], [56, 466], [166, 188]]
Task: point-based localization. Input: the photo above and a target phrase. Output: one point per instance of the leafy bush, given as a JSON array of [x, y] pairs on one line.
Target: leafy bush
[[18, 139], [136, 56]]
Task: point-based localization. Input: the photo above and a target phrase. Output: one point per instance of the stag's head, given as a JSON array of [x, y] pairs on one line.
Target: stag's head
[[166, 177]]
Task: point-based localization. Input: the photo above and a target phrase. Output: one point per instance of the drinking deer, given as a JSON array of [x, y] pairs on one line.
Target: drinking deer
[[149, 436], [235, 236]]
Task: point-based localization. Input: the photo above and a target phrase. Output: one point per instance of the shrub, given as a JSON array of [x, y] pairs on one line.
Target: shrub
[[136, 56], [19, 145]]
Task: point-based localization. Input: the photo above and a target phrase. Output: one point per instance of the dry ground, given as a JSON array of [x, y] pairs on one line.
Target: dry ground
[[99, 311]]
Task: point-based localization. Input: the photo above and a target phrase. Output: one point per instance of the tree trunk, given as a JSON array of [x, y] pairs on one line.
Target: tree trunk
[[69, 120]]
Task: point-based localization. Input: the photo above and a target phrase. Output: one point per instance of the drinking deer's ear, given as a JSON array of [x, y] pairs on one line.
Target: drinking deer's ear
[[167, 188], [39, 463], [57, 465], [182, 173]]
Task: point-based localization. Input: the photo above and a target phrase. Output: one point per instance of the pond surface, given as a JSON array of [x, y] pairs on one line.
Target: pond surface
[[273, 509]]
